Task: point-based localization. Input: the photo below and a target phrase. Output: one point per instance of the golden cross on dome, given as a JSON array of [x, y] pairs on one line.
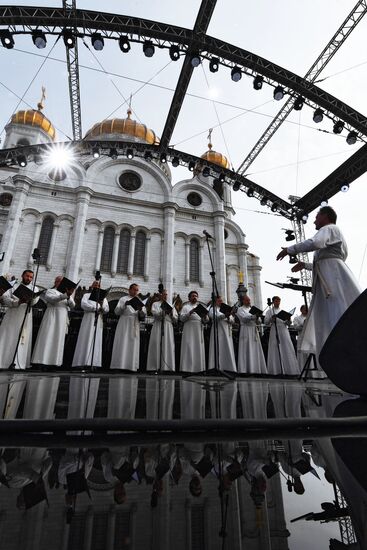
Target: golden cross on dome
[[210, 145], [240, 277], [129, 111], [40, 104]]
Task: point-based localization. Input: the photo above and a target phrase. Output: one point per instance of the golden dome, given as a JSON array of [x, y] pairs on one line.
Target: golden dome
[[213, 156], [31, 117], [125, 126]]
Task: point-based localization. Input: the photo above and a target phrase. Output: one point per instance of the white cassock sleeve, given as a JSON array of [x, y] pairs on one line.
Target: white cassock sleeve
[[326, 236]]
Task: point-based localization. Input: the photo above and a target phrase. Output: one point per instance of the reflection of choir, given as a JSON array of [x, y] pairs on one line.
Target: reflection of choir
[[194, 320]]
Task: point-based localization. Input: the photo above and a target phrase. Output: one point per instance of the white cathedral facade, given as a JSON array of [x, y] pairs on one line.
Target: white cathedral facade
[[121, 216]]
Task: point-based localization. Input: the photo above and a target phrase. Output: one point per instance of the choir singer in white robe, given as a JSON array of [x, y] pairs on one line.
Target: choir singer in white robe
[[125, 351], [161, 352], [11, 325], [84, 346], [192, 343], [281, 356], [49, 347], [334, 285], [225, 351], [251, 358]]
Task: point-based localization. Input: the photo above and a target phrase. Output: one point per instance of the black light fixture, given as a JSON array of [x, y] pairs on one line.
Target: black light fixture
[[97, 41], [275, 207], [264, 201], [214, 65], [305, 218], [7, 39], [113, 153], [250, 192], [175, 162], [195, 60], [352, 138], [191, 165], [290, 235], [69, 38], [39, 39], [298, 103], [174, 52], [278, 93], [293, 260], [163, 158], [22, 161], [344, 188], [148, 48], [236, 74], [206, 171], [222, 177], [324, 202], [318, 115], [130, 153], [124, 44], [338, 127], [96, 153], [236, 186], [148, 156], [258, 82]]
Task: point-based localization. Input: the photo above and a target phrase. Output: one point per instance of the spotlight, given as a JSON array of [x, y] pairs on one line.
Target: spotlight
[[318, 115], [130, 153], [124, 44], [304, 218], [39, 39], [278, 93], [275, 207], [148, 156], [69, 38], [113, 153], [344, 188], [206, 171], [258, 82], [148, 48], [236, 186], [7, 39], [163, 158], [95, 153], [175, 162], [324, 202], [174, 52], [191, 165], [222, 177], [22, 161], [293, 260], [338, 127], [352, 138], [195, 60], [250, 192], [214, 65], [236, 74], [97, 41], [290, 235], [298, 104], [264, 201], [59, 157]]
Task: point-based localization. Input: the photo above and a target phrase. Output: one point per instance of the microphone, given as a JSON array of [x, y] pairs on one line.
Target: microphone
[[207, 235], [36, 254], [269, 302], [97, 276]]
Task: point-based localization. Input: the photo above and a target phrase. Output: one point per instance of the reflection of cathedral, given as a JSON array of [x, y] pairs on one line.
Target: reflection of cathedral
[[121, 216]]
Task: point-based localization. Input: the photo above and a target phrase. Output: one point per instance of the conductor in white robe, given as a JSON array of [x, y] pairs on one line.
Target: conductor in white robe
[[281, 355], [11, 326], [334, 286], [125, 351], [225, 351], [84, 345], [192, 343], [251, 358], [161, 351], [49, 347]]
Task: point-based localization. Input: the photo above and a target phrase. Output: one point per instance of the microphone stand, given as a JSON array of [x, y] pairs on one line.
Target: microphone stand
[[161, 344], [96, 315], [37, 258]]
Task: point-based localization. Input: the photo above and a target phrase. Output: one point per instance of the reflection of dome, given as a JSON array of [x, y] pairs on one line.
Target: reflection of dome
[[125, 126], [213, 156], [34, 118]]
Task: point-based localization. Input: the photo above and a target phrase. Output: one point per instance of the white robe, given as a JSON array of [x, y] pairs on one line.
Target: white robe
[[330, 276], [125, 351], [281, 360], [84, 346], [165, 361], [49, 347], [251, 358], [226, 358], [192, 343], [9, 331]]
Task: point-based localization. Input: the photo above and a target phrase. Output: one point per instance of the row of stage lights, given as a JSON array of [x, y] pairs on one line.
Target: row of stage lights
[[97, 40]]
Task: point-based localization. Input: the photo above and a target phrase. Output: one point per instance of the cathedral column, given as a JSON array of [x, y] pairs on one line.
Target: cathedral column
[[242, 262], [75, 252], [130, 265], [220, 255], [169, 248], [115, 253], [52, 246], [147, 258], [187, 262], [8, 243], [36, 236], [99, 249]]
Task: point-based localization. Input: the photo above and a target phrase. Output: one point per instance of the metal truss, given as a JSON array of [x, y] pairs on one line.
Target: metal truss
[[347, 533], [299, 233], [73, 71], [348, 25]]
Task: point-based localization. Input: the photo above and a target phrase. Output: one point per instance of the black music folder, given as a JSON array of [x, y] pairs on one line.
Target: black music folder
[[167, 308], [66, 284], [201, 311], [24, 293], [226, 309], [284, 315], [99, 294], [255, 311], [135, 303], [4, 284]]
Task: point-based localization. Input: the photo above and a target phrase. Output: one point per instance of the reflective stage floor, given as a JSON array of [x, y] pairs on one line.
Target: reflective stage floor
[[95, 461]]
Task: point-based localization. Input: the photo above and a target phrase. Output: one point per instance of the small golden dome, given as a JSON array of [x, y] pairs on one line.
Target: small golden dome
[[213, 156], [124, 126], [31, 117]]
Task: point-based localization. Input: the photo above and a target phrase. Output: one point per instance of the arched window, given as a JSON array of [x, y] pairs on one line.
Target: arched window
[[139, 253], [194, 260], [123, 255], [107, 249], [45, 239]]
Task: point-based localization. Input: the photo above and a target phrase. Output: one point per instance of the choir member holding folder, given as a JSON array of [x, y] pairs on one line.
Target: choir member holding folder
[[225, 320], [193, 315], [251, 358]]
